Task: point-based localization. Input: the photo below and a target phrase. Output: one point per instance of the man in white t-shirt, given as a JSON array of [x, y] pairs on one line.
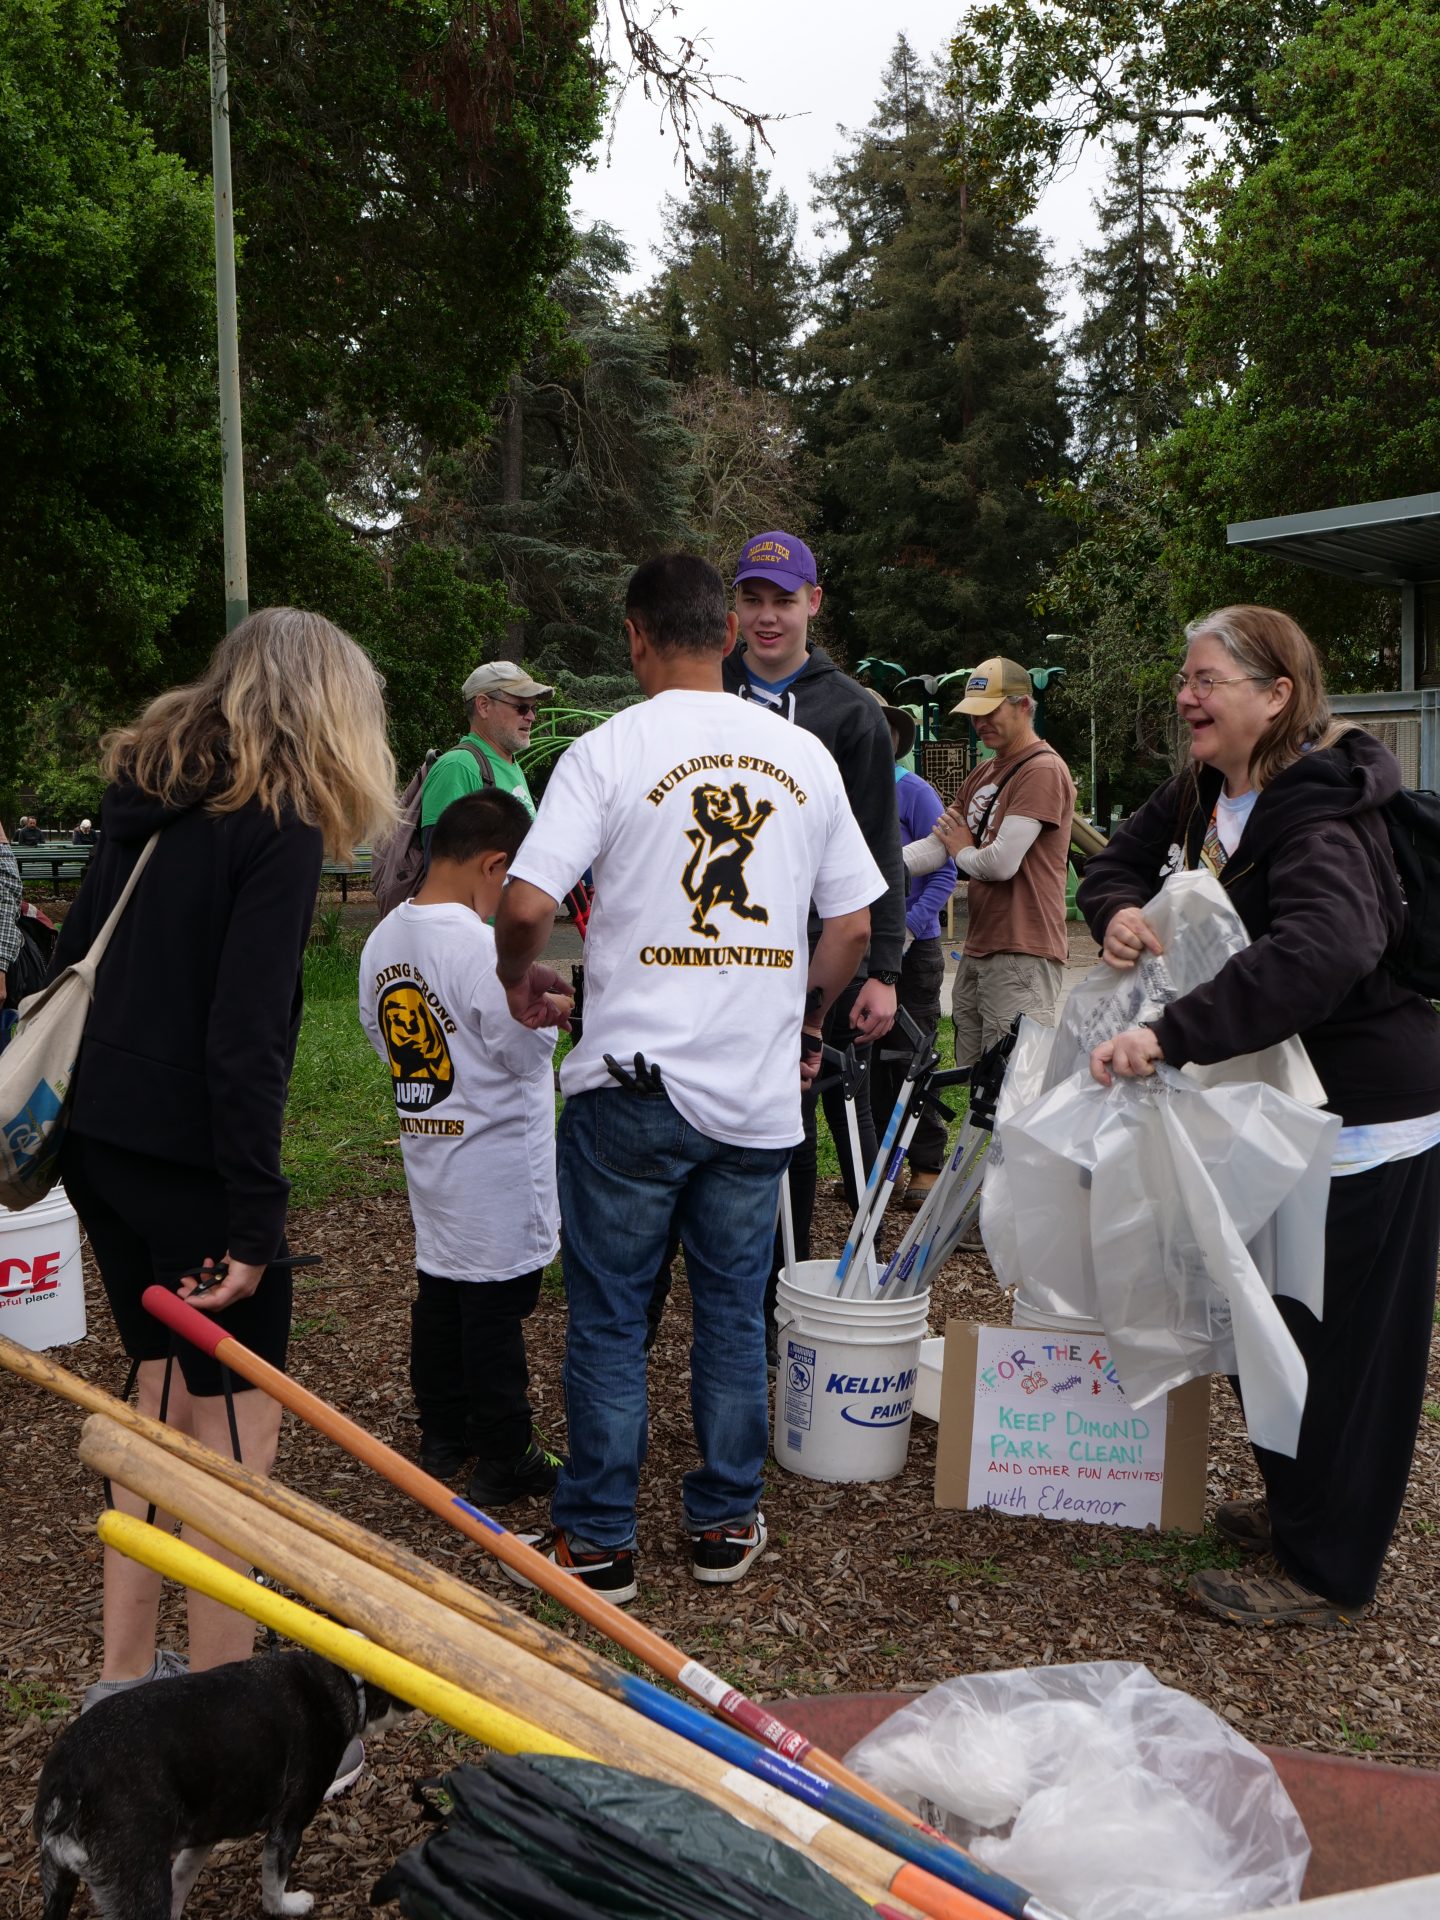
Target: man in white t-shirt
[[710, 825], [475, 1098]]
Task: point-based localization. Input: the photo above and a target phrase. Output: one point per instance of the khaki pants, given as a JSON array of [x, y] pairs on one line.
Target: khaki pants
[[989, 993]]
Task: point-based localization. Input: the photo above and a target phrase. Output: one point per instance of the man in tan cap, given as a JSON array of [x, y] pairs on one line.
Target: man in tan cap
[[1009, 832], [501, 703]]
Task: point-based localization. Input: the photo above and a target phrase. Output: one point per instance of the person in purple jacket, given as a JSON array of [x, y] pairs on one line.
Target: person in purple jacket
[[922, 970]]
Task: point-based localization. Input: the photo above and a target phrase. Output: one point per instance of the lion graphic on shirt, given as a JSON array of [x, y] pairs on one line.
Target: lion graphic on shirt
[[420, 1061], [723, 839]]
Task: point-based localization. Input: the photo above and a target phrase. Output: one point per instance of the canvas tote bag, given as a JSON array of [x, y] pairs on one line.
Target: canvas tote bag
[[37, 1069]]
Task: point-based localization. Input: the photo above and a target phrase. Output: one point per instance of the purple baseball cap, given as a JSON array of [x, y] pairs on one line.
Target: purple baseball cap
[[779, 558]]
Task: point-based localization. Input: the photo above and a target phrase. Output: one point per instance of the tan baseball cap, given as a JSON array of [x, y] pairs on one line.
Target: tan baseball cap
[[503, 676], [993, 683]]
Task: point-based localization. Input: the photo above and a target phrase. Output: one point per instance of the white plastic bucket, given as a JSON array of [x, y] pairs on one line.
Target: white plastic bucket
[[845, 1386], [1036, 1319], [42, 1289]]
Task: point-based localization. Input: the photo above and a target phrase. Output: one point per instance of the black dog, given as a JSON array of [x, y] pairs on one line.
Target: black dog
[[170, 1768]]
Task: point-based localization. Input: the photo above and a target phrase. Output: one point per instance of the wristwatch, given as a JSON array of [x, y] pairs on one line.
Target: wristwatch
[[885, 977]]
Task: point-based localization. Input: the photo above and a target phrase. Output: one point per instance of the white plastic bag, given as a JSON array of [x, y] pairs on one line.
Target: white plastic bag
[[1102, 1791], [1024, 1079]]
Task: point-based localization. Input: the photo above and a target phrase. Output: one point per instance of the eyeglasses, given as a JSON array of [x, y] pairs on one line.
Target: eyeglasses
[[1202, 685]]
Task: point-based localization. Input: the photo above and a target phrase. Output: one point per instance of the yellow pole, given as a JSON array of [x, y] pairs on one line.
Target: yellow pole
[[466, 1712]]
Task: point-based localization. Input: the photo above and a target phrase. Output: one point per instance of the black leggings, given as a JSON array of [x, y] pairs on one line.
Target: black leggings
[[468, 1365], [149, 1221], [1334, 1506]]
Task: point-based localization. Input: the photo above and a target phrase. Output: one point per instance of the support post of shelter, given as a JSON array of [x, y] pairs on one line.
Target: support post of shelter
[[232, 463]]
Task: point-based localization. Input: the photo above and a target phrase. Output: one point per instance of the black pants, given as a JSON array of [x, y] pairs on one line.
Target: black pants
[[1334, 1506], [922, 975], [467, 1362]]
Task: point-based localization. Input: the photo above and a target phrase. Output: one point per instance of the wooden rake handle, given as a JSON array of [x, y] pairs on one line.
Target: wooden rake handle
[[602, 1614]]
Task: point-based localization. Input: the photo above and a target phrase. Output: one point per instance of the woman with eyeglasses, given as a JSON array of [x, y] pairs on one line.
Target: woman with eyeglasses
[[1283, 804]]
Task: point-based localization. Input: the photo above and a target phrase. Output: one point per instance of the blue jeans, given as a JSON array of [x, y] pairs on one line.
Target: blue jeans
[[631, 1169]]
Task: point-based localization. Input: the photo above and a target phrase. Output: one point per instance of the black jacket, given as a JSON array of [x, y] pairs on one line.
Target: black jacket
[[1313, 880], [191, 1038], [839, 712]]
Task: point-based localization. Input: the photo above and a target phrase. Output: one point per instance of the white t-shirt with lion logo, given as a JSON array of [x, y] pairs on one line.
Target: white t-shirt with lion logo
[[474, 1095], [710, 825]]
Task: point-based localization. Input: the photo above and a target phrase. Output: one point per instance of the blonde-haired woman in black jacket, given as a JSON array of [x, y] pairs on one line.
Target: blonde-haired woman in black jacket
[[274, 757], [1284, 805]]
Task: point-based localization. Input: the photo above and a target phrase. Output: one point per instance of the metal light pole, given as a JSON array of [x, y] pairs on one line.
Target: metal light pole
[[232, 464]]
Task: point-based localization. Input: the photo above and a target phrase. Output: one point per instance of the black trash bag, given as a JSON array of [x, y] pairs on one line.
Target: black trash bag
[[523, 1843]]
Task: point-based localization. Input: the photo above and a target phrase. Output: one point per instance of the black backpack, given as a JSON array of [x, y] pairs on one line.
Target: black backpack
[[1412, 820]]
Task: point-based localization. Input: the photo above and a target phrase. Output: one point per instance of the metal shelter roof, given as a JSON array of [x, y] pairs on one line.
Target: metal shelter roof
[[1382, 543]]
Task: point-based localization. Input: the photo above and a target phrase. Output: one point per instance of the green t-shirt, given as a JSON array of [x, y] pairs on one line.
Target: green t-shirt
[[455, 773]]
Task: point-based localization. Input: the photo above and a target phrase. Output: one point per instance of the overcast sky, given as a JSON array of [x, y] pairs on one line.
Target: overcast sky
[[820, 62]]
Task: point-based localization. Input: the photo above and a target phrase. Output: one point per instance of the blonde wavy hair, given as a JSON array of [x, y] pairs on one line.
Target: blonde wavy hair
[[1266, 645], [289, 712]]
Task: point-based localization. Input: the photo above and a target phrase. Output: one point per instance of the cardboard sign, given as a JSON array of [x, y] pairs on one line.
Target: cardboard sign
[[1035, 1422]]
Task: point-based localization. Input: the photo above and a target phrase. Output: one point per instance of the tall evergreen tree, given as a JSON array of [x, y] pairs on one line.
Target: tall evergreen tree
[[604, 473], [1131, 381], [734, 285], [933, 394]]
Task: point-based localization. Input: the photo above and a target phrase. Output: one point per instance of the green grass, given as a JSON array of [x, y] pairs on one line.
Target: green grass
[[26, 1697], [1181, 1554], [341, 1138]]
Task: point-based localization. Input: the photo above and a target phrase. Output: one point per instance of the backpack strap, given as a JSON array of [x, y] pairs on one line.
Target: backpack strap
[[482, 761], [1008, 775]]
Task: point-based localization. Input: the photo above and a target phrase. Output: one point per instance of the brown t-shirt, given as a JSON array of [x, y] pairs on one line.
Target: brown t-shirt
[[1025, 914]]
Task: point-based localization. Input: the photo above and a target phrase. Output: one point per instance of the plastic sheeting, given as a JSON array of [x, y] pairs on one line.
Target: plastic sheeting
[[1104, 1792], [1170, 1209]]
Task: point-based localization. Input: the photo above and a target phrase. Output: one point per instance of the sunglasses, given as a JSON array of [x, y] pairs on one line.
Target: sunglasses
[[520, 706]]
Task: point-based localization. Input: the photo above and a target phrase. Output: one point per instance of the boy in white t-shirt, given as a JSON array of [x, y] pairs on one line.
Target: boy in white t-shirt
[[474, 1091], [710, 824]]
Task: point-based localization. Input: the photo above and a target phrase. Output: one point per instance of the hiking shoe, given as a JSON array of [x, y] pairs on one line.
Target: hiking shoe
[[352, 1765], [165, 1666], [1244, 1524], [444, 1459], [722, 1555], [496, 1483], [1266, 1596], [609, 1571], [919, 1184]]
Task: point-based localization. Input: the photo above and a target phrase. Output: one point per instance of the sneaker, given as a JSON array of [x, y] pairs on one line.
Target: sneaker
[[496, 1483], [723, 1555], [352, 1765], [609, 1571], [1266, 1596], [1244, 1524], [444, 1459], [919, 1184], [165, 1666]]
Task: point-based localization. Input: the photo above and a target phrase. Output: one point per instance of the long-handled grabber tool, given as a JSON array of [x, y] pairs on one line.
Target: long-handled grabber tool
[[855, 1273]]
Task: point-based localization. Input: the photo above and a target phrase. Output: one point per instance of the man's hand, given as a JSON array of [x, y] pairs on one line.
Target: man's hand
[[2, 989], [541, 998], [1132, 1055], [873, 1014], [952, 831], [1128, 935], [811, 1044], [239, 1283]]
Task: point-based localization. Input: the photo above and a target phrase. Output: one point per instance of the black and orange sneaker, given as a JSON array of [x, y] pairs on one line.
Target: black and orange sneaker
[[605, 1570], [722, 1555], [1244, 1524]]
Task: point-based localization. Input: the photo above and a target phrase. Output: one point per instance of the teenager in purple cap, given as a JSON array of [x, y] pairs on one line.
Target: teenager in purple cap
[[777, 595]]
